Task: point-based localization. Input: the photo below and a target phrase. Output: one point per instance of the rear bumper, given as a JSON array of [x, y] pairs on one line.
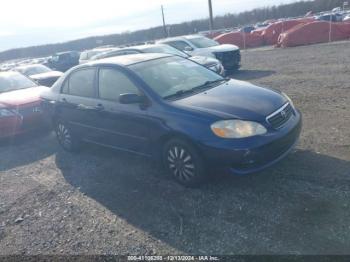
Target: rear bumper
[[254, 154]]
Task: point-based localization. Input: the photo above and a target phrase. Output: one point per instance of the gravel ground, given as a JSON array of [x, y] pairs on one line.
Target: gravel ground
[[104, 202]]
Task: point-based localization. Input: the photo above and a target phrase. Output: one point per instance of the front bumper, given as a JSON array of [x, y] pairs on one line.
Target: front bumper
[[21, 123], [254, 154], [231, 60], [10, 126]]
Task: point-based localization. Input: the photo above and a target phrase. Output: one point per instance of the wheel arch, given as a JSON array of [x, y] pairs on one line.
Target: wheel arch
[[161, 141]]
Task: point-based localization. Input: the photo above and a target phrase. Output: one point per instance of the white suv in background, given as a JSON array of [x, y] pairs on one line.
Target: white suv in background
[[86, 55], [197, 45]]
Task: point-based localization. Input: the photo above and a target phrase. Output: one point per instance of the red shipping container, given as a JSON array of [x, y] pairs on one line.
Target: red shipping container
[[315, 32], [258, 31], [213, 35], [243, 40], [272, 32]]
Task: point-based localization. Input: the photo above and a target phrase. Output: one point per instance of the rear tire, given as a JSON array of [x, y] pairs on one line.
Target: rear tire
[[65, 137], [182, 161]]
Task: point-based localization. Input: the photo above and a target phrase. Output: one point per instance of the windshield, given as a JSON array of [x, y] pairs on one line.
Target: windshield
[[106, 54], [55, 58], [33, 70], [91, 54], [165, 49], [203, 42], [10, 81], [174, 75]]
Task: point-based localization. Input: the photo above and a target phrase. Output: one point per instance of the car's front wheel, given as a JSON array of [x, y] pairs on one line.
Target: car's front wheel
[[65, 137], [184, 163]]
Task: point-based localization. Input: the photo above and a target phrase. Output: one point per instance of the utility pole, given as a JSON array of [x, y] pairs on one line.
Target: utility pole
[[211, 20], [164, 27]]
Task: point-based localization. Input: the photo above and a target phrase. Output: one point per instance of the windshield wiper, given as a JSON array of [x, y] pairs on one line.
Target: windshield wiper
[[209, 84], [179, 93]]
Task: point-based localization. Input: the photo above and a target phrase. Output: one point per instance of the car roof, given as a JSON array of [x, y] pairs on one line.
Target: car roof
[[105, 49], [9, 73], [28, 66], [66, 52], [127, 60], [142, 47], [179, 38]]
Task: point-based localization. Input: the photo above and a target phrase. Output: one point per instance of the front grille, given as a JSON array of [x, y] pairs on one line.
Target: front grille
[[31, 115], [230, 60], [281, 116]]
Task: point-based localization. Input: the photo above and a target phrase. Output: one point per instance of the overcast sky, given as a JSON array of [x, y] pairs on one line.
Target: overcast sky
[[26, 23]]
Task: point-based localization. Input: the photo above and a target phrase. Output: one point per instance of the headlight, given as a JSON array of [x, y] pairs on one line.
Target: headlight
[[6, 112], [288, 98], [237, 129], [216, 68]]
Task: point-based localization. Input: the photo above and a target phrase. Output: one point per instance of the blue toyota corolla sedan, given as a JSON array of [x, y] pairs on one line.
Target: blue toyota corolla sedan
[[185, 115]]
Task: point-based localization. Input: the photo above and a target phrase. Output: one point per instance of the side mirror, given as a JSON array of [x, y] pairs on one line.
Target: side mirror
[[131, 99], [188, 49]]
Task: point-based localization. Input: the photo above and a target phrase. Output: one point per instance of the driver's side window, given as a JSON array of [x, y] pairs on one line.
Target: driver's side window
[[112, 83]]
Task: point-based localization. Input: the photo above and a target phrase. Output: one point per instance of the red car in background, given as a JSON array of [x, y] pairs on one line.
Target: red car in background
[[20, 109]]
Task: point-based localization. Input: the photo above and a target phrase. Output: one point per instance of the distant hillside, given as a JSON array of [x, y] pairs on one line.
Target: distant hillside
[[226, 21]]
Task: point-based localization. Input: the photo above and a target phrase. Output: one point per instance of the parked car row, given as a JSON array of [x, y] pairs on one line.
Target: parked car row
[[209, 62], [41, 74], [222, 59], [59, 61], [337, 14], [157, 102]]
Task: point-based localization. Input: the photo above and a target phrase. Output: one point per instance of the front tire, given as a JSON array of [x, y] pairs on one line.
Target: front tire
[[65, 137], [182, 161]]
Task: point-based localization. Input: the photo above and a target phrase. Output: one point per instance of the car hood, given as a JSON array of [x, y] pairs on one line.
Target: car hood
[[22, 96], [210, 51], [235, 99], [223, 48], [50, 74], [204, 60]]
